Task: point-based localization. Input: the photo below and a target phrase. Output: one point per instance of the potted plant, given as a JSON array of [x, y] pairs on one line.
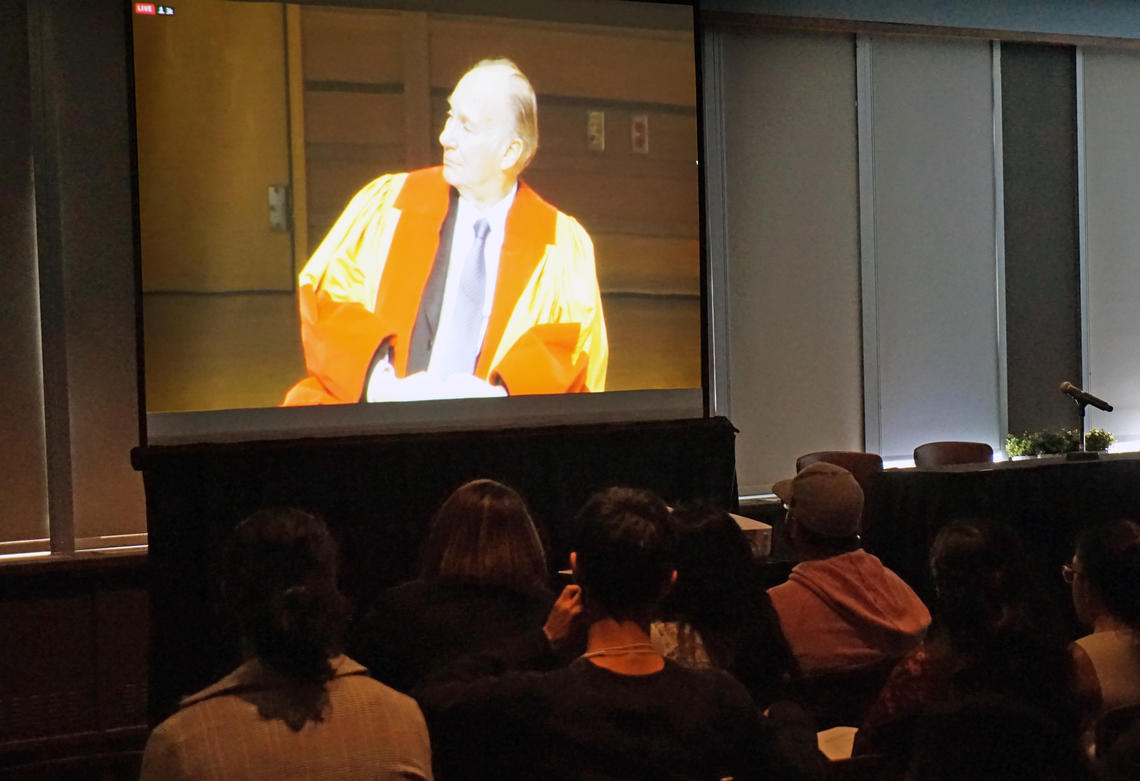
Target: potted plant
[[1055, 441]]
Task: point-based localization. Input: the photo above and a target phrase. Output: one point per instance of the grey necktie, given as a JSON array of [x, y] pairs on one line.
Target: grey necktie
[[466, 327]]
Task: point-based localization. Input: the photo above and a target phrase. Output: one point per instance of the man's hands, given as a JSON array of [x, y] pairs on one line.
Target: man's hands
[[560, 624]]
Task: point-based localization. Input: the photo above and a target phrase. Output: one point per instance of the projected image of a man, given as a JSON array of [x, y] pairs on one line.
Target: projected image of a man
[[458, 280]]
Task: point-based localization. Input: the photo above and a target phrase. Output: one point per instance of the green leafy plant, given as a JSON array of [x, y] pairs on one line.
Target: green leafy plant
[[1036, 443], [1098, 439]]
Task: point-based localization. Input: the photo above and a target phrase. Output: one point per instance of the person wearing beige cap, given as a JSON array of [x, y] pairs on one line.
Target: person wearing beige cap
[[840, 609]]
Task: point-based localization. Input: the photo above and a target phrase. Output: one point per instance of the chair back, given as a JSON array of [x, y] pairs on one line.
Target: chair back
[[866, 467], [948, 453], [842, 697]]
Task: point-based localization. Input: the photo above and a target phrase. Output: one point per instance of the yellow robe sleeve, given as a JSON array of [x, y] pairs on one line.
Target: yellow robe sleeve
[[563, 290]]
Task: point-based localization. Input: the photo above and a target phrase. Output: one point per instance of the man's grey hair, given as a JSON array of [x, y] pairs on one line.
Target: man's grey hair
[[522, 101]]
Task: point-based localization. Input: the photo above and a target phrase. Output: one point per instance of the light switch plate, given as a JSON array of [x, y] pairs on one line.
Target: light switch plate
[[596, 131]]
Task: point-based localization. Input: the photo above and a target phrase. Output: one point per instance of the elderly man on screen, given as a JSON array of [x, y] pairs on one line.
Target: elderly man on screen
[[455, 281]]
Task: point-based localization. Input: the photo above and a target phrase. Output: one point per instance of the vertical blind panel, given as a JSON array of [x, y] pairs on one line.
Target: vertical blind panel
[[934, 254], [23, 465], [793, 249], [1112, 181], [1042, 258], [87, 62]]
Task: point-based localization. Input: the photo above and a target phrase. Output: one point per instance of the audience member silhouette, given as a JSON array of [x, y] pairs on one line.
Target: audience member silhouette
[[1104, 575], [840, 608], [297, 709], [482, 577], [620, 711], [991, 635], [718, 612]]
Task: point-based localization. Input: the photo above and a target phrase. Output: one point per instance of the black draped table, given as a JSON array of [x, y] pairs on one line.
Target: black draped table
[[1047, 500]]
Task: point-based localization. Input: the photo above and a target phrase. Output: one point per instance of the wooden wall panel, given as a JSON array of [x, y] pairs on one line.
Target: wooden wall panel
[[221, 352], [562, 130], [353, 117], [613, 204], [647, 264], [203, 204], [655, 341], [645, 66], [351, 46], [332, 183]]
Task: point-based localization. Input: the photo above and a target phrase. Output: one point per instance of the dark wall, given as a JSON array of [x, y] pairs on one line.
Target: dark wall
[[73, 677], [1042, 274]]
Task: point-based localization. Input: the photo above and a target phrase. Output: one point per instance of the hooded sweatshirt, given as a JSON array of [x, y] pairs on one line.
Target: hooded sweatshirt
[[847, 611]]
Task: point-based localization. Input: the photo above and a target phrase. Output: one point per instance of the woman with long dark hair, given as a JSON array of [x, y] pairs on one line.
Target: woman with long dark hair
[[990, 636], [718, 612], [482, 577], [297, 708]]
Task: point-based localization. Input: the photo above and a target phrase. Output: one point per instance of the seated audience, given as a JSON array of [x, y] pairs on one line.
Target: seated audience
[[718, 612], [1105, 579], [296, 709], [482, 577], [620, 711], [987, 738], [840, 608], [990, 636]]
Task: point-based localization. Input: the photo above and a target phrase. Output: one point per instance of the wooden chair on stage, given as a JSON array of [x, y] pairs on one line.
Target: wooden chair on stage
[[948, 453], [866, 467]]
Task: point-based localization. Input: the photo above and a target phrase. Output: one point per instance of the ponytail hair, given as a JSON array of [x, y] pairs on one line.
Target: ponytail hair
[[279, 580]]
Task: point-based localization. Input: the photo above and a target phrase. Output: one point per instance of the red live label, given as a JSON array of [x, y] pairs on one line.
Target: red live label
[[146, 8]]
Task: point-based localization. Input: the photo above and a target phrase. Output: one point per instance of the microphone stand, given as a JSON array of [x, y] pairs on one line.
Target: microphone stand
[[1083, 454]]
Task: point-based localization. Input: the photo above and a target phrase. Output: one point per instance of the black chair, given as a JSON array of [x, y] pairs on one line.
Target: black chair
[[840, 698]]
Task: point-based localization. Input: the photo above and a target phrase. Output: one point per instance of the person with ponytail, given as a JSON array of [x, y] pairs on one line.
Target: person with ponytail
[[297, 708], [1104, 575]]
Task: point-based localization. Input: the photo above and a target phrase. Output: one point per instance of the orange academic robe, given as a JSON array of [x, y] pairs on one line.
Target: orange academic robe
[[362, 287]]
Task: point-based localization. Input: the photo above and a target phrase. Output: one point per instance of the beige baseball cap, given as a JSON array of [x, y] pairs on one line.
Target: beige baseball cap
[[825, 498]]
